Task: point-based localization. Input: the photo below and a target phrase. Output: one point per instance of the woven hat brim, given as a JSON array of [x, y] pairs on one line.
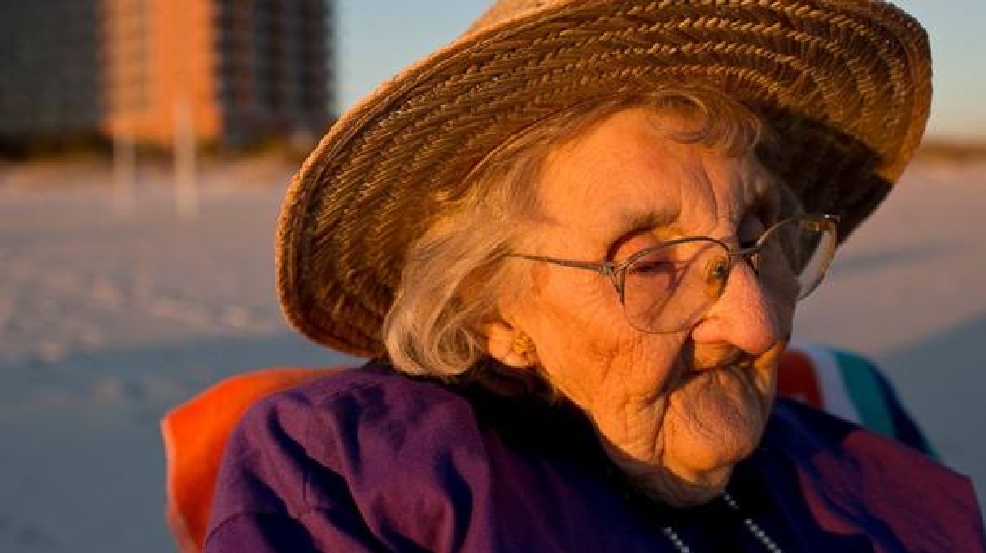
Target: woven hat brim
[[847, 84]]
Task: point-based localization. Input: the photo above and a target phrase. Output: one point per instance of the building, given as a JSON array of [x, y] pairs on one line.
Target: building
[[50, 69], [229, 72]]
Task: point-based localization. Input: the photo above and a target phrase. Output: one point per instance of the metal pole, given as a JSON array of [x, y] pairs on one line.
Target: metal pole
[[185, 150]]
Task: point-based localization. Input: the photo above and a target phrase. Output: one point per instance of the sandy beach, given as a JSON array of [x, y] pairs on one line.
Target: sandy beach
[[110, 315]]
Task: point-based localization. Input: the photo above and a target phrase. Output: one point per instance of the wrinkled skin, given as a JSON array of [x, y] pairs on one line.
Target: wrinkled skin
[[675, 411]]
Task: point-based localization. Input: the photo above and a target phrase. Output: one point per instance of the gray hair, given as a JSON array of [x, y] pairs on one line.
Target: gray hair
[[453, 278]]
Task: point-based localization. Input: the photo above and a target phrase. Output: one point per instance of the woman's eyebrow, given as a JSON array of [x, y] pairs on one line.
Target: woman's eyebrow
[[631, 221]]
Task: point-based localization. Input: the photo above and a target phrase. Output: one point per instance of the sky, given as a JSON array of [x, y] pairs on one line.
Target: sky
[[378, 37]]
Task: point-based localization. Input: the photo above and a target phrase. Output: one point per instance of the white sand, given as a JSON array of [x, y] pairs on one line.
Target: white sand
[[108, 318]]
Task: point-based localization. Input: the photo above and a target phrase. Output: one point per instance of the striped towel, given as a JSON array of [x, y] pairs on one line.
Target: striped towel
[[848, 386]]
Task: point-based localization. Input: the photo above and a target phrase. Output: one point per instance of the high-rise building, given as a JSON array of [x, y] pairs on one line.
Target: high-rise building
[[50, 69], [229, 71]]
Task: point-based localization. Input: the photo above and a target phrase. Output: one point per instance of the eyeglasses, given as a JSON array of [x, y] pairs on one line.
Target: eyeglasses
[[668, 287]]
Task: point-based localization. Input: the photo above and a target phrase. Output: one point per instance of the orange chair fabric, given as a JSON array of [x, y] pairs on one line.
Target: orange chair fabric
[[195, 434]]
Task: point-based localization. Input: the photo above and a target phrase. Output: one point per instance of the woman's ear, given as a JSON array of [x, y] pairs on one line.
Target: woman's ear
[[510, 345]]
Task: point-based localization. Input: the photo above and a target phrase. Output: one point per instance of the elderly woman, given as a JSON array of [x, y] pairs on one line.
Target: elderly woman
[[572, 241]]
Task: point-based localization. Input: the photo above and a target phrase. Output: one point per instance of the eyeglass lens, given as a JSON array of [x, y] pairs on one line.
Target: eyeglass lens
[[668, 288]]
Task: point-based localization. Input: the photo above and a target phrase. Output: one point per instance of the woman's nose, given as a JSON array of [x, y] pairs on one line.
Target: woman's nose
[[744, 315]]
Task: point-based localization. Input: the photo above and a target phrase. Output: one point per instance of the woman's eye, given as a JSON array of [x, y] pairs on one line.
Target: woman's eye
[[650, 267], [653, 263]]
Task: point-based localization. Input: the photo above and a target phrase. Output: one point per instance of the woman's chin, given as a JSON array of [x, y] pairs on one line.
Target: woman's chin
[[713, 422], [690, 472], [710, 421], [702, 451]]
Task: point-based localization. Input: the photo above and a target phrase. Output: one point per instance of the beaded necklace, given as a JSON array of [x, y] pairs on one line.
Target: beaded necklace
[[748, 522]]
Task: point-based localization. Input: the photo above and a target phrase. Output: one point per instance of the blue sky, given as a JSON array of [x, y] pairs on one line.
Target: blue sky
[[378, 37]]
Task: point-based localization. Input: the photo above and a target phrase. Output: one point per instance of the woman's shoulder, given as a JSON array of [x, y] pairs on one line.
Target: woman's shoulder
[[360, 438], [852, 478], [809, 436], [372, 405], [802, 430]]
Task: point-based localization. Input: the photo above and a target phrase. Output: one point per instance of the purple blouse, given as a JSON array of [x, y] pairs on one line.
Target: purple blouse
[[369, 460]]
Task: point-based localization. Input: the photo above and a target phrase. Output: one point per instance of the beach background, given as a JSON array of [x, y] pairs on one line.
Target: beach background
[[114, 310]]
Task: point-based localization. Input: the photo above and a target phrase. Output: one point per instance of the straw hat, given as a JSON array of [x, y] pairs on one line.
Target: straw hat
[[846, 83]]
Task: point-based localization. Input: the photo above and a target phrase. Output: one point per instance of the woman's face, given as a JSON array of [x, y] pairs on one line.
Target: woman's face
[[676, 411]]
